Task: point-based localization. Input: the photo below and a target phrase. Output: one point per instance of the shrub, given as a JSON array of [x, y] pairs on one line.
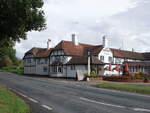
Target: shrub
[[13, 69], [5, 61], [92, 75], [127, 78]]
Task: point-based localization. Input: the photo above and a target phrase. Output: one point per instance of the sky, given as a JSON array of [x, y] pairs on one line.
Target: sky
[[124, 22]]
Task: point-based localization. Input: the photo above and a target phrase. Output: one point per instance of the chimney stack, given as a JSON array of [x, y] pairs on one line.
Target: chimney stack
[[48, 43], [74, 39], [105, 41]]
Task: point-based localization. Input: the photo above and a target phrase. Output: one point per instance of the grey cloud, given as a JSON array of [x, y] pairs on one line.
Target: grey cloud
[[67, 16]]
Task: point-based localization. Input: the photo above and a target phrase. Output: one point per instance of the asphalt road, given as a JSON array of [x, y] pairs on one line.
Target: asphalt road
[[56, 96]]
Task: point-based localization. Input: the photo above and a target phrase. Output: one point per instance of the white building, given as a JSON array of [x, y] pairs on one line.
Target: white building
[[70, 59], [36, 61]]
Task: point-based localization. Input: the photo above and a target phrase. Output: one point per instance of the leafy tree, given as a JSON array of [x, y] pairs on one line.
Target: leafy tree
[[7, 56], [5, 61], [17, 17]]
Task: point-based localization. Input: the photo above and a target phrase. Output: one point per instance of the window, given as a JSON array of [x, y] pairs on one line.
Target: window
[[60, 69], [62, 52], [28, 60], [38, 61], [110, 59], [57, 59], [102, 58], [118, 61], [54, 68], [58, 52], [72, 67], [46, 61], [44, 69]]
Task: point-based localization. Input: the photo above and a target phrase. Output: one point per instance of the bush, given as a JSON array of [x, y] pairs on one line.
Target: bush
[[92, 75], [5, 61], [12, 69], [124, 78]]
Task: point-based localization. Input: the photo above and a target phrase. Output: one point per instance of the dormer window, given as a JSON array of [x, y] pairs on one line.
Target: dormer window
[[57, 52], [110, 59], [102, 58]]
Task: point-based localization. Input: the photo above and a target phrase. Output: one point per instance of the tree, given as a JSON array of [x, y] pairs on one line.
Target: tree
[[17, 17]]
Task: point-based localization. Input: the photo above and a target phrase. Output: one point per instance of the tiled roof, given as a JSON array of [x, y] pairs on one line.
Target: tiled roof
[[71, 49], [118, 53], [83, 60], [43, 52], [39, 52], [127, 54]]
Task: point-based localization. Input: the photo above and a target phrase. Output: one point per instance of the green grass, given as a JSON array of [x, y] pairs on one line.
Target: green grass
[[125, 87], [12, 69], [10, 103]]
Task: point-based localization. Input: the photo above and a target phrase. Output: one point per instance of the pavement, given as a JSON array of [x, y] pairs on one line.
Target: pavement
[[62, 96]]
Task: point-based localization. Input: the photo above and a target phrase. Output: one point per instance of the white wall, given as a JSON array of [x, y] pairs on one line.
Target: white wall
[[57, 74], [117, 60], [42, 63], [36, 66], [72, 73], [30, 70], [106, 52], [29, 64]]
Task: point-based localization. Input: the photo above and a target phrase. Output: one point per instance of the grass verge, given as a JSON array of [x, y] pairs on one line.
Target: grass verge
[[125, 87], [12, 69], [10, 103]]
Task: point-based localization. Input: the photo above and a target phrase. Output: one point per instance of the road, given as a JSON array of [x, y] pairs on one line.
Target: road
[[71, 97]]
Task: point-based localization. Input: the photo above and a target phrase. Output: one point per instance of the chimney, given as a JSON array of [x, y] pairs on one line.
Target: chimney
[[74, 39], [105, 41], [48, 43]]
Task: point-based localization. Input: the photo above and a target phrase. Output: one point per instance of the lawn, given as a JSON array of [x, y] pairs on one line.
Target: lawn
[[12, 69], [10, 103], [125, 87]]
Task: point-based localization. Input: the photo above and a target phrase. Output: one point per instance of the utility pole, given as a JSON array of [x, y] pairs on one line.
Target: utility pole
[[89, 67]]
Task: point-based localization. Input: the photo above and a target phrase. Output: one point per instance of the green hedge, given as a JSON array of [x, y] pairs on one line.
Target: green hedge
[[12, 69]]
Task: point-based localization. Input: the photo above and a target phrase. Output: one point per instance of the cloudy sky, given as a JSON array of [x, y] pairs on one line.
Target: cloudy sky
[[125, 22]]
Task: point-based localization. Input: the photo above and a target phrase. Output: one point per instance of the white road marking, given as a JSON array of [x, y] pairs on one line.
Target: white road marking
[[33, 100], [47, 107], [113, 105], [18, 92], [22, 95], [10, 88], [141, 109], [78, 85], [106, 104]]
